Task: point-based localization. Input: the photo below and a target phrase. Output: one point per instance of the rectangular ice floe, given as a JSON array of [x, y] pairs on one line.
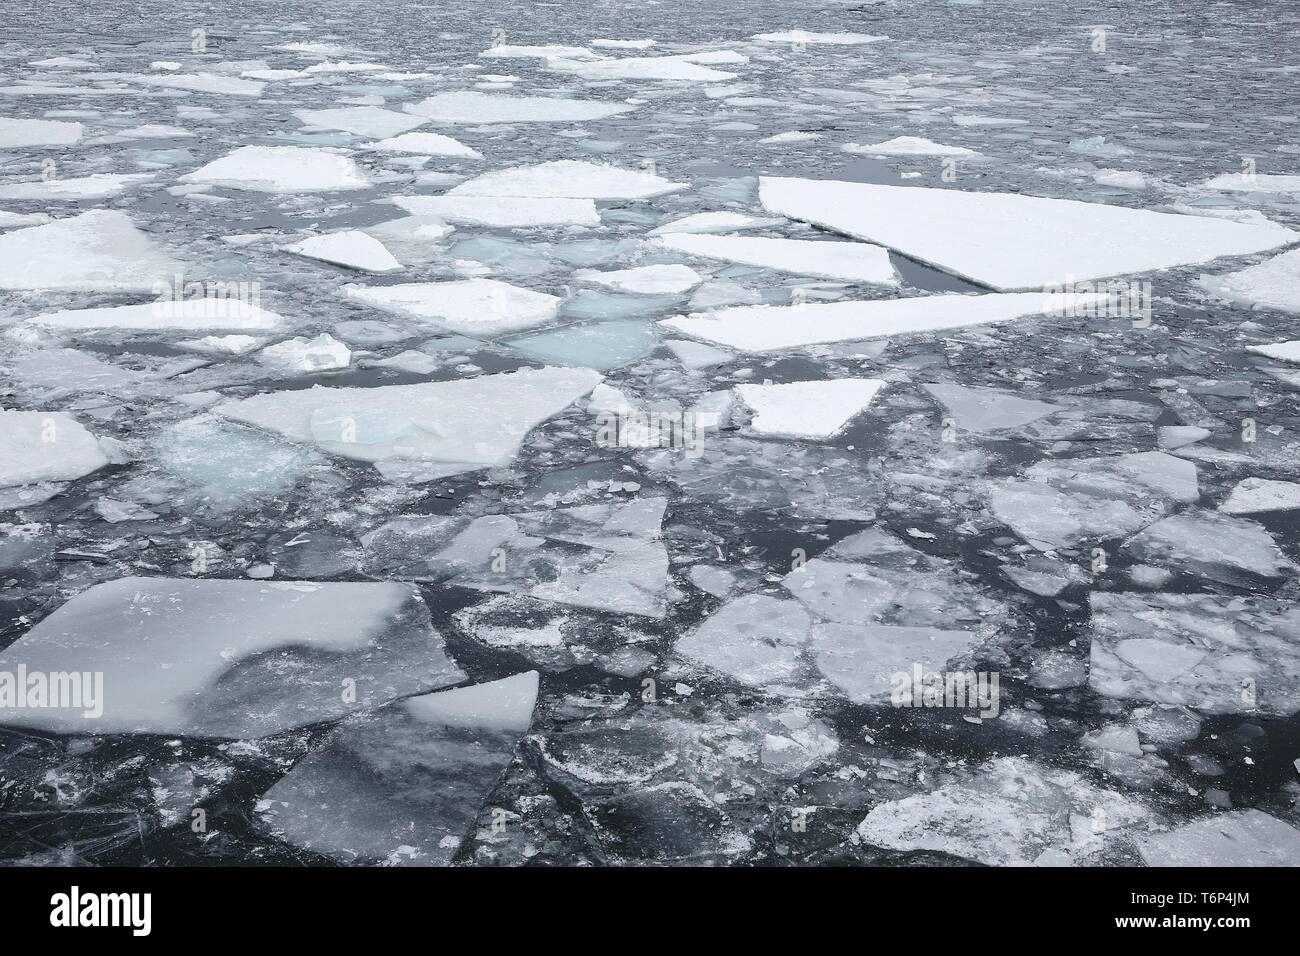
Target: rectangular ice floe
[[1220, 655], [403, 786], [97, 251], [438, 428], [476, 108], [850, 261], [467, 306], [212, 658], [1009, 241], [765, 328]]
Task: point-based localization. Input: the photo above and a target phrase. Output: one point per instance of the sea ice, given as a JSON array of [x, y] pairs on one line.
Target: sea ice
[[1219, 655], [702, 222], [503, 212], [1282, 351], [404, 785], [440, 428], [645, 280], [567, 179], [641, 68], [350, 248], [215, 658], [764, 328], [1240, 838], [756, 639], [205, 83], [281, 169], [599, 345], [17, 133], [189, 315], [321, 354], [983, 410], [816, 410], [45, 446], [425, 144], [849, 261], [799, 37], [1214, 545], [477, 108], [468, 306], [1253, 183], [96, 186], [1273, 284], [97, 251], [1010, 241], [371, 121], [907, 146], [1257, 495]]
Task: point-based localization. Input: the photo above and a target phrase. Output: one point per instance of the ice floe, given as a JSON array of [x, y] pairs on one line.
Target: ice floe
[[281, 169], [420, 431], [467, 306], [764, 328], [17, 132], [567, 179], [40, 447], [1213, 545], [504, 212], [351, 248], [645, 280], [476, 108], [321, 354], [816, 410], [1273, 284], [722, 221], [1010, 241], [907, 146], [1219, 655], [215, 658], [425, 144], [403, 786], [800, 37], [97, 251], [1239, 838], [850, 261], [205, 83], [1253, 183], [1258, 495], [190, 315], [372, 121], [96, 186]]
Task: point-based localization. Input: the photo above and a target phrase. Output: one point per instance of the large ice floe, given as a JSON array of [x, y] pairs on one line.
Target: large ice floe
[[420, 431], [767, 328], [473, 107], [97, 251], [281, 169], [403, 785], [850, 261], [1009, 241], [213, 658], [1217, 654], [604, 557]]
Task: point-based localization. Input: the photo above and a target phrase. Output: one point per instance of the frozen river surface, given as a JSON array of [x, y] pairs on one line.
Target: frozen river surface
[[686, 432]]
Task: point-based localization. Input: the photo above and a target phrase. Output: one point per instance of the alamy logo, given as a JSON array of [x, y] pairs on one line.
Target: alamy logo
[[54, 690], [75, 908], [957, 690]]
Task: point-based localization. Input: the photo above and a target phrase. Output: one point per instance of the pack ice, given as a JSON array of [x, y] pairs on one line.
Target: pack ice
[[403, 786], [214, 658], [1009, 241]]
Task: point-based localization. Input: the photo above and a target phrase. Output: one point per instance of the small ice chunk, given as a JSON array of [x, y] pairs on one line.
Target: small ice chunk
[[468, 306], [45, 446], [646, 280], [849, 261], [1011, 241], [425, 144], [321, 354], [221, 344], [281, 169], [1256, 495], [350, 248], [907, 146], [478, 108], [816, 410], [567, 179], [1169, 437], [371, 121], [238, 658], [697, 355]]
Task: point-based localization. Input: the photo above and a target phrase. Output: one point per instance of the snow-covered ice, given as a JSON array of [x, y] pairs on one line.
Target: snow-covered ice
[[815, 410], [350, 248], [281, 169], [850, 261], [467, 306]]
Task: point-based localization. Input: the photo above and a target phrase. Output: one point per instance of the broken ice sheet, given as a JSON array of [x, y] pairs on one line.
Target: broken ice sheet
[[1220, 655], [1011, 241], [1009, 812], [605, 557], [402, 786], [212, 658], [437, 428]]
